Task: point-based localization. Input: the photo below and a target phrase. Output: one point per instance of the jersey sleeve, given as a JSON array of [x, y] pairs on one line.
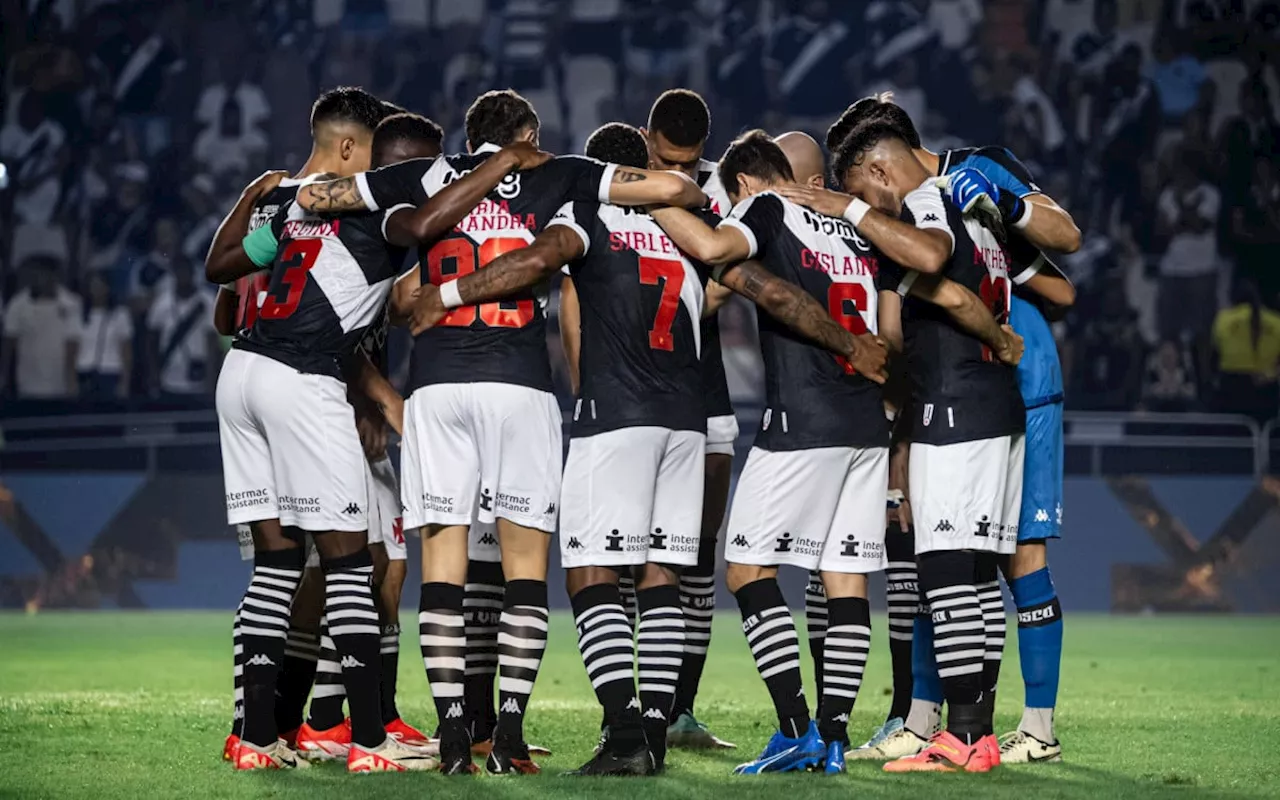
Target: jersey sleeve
[[261, 245], [923, 208], [889, 275], [582, 179], [394, 184], [1004, 169], [577, 218], [758, 218]]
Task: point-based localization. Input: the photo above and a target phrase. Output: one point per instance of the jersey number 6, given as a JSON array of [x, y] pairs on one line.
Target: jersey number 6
[[846, 303], [467, 257]]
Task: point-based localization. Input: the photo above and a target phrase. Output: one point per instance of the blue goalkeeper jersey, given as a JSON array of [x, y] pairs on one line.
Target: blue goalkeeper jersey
[[1039, 372]]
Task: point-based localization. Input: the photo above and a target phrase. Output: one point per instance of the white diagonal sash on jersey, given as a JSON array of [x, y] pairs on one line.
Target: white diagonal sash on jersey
[[336, 272]]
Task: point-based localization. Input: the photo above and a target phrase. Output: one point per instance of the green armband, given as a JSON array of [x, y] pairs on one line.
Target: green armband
[[260, 246]]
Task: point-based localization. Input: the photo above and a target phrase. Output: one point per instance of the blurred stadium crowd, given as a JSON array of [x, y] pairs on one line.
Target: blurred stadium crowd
[[129, 127]]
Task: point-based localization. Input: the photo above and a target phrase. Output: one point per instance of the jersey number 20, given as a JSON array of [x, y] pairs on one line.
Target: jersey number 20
[[467, 257]]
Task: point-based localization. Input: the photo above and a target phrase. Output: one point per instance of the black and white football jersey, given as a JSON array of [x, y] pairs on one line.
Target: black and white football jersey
[[960, 391], [329, 282], [504, 341], [715, 384], [814, 398], [641, 306], [251, 289]]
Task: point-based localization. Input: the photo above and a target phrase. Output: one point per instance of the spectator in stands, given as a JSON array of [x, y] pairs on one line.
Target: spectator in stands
[[105, 341], [40, 325], [1255, 132], [184, 347], [1169, 381], [233, 87], [1255, 229], [1246, 343], [33, 146], [120, 223], [232, 145], [806, 64], [1188, 214], [140, 63], [1126, 121], [1103, 353], [1179, 78]]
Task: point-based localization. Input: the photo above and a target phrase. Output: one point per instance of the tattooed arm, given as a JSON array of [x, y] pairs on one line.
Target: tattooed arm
[[795, 308], [643, 187], [505, 275]]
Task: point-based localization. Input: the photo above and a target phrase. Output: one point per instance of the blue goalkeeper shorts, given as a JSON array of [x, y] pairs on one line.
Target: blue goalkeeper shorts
[[1041, 516]]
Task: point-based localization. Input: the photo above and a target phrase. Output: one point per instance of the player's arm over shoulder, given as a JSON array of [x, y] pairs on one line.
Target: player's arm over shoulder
[[734, 239], [368, 191]]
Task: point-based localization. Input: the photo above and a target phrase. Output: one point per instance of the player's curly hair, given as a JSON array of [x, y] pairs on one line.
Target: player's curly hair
[[618, 143], [754, 153], [347, 104], [498, 117], [859, 142], [403, 127], [681, 116], [876, 108]]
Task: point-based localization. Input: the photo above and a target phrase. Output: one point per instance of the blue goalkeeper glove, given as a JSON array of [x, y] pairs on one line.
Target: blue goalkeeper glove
[[968, 188]]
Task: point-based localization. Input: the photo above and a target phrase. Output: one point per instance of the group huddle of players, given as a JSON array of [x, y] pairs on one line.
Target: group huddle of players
[[887, 318]]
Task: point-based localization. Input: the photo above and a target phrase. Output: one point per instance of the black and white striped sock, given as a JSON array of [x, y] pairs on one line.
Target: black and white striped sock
[[301, 651], [959, 637], [389, 653], [844, 658], [522, 639], [902, 594], [355, 630], [627, 589], [659, 653], [329, 693], [482, 609], [442, 636], [608, 651], [237, 675], [264, 625], [815, 623], [771, 634], [698, 600]]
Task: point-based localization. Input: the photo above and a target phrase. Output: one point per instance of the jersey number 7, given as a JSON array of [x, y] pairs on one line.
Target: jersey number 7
[[670, 274], [298, 258], [467, 257]]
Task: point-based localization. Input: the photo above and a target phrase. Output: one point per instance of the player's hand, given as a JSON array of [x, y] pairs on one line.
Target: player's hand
[[1010, 351], [265, 182], [524, 155], [869, 357], [973, 191], [427, 309], [372, 429], [824, 201]]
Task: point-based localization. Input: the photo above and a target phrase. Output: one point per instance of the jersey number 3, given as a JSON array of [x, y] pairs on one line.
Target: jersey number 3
[[298, 258], [467, 257], [670, 275]]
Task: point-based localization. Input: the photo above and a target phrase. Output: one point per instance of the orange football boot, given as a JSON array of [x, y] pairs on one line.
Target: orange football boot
[[946, 753], [229, 747], [329, 745]]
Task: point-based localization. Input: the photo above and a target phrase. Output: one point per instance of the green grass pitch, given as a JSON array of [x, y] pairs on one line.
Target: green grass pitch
[[124, 705]]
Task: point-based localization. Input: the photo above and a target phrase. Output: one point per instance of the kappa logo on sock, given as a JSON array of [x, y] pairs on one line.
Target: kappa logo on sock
[[657, 540], [510, 706], [351, 662], [635, 703], [654, 713], [260, 660], [488, 539], [454, 712], [840, 718]]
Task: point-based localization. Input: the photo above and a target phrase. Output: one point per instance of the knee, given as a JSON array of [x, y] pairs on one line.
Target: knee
[[652, 575], [840, 584], [1028, 558], [579, 578], [738, 575]]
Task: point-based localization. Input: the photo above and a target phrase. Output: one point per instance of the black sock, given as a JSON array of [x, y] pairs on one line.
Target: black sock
[[522, 640], [608, 652], [627, 590], [237, 673], [264, 624], [329, 693], [844, 660], [659, 653], [354, 628], [389, 650], [482, 608], [442, 633], [902, 590], [698, 599], [948, 579], [815, 623], [771, 634], [995, 625], [301, 651]]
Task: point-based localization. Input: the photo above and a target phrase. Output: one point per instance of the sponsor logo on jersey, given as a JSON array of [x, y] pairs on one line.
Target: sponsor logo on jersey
[[831, 226], [944, 526], [248, 499], [311, 229], [300, 505], [615, 541]]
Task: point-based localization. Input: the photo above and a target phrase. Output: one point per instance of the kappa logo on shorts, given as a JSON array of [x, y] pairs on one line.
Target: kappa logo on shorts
[[574, 544], [850, 549], [784, 543], [551, 509], [1058, 510], [740, 541], [488, 539], [944, 526], [351, 508], [657, 540], [984, 527], [486, 500], [615, 541], [1042, 515]]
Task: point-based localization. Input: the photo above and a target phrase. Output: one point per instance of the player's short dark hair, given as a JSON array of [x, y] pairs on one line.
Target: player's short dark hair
[[618, 143], [876, 108], [498, 116], [860, 140], [404, 127], [754, 153], [347, 104], [681, 116]]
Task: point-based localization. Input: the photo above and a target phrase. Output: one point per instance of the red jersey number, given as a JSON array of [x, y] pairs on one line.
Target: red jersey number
[[464, 257], [846, 303], [994, 293], [670, 276], [299, 257]]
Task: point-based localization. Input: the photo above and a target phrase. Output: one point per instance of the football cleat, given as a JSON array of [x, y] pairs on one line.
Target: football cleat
[[784, 754], [390, 756], [273, 756], [834, 764], [607, 763], [1020, 747], [510, 760], [291, 737], [455, 755], [333, 744], [883, 732], [902, 743], [229, 747], [689, 734], [604, 739], [406, 734], [946, 753]]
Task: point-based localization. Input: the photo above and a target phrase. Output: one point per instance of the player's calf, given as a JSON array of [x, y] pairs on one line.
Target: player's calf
[[660, 651], [264, 623], [1040, 652], [352, 619], [844, 656]]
